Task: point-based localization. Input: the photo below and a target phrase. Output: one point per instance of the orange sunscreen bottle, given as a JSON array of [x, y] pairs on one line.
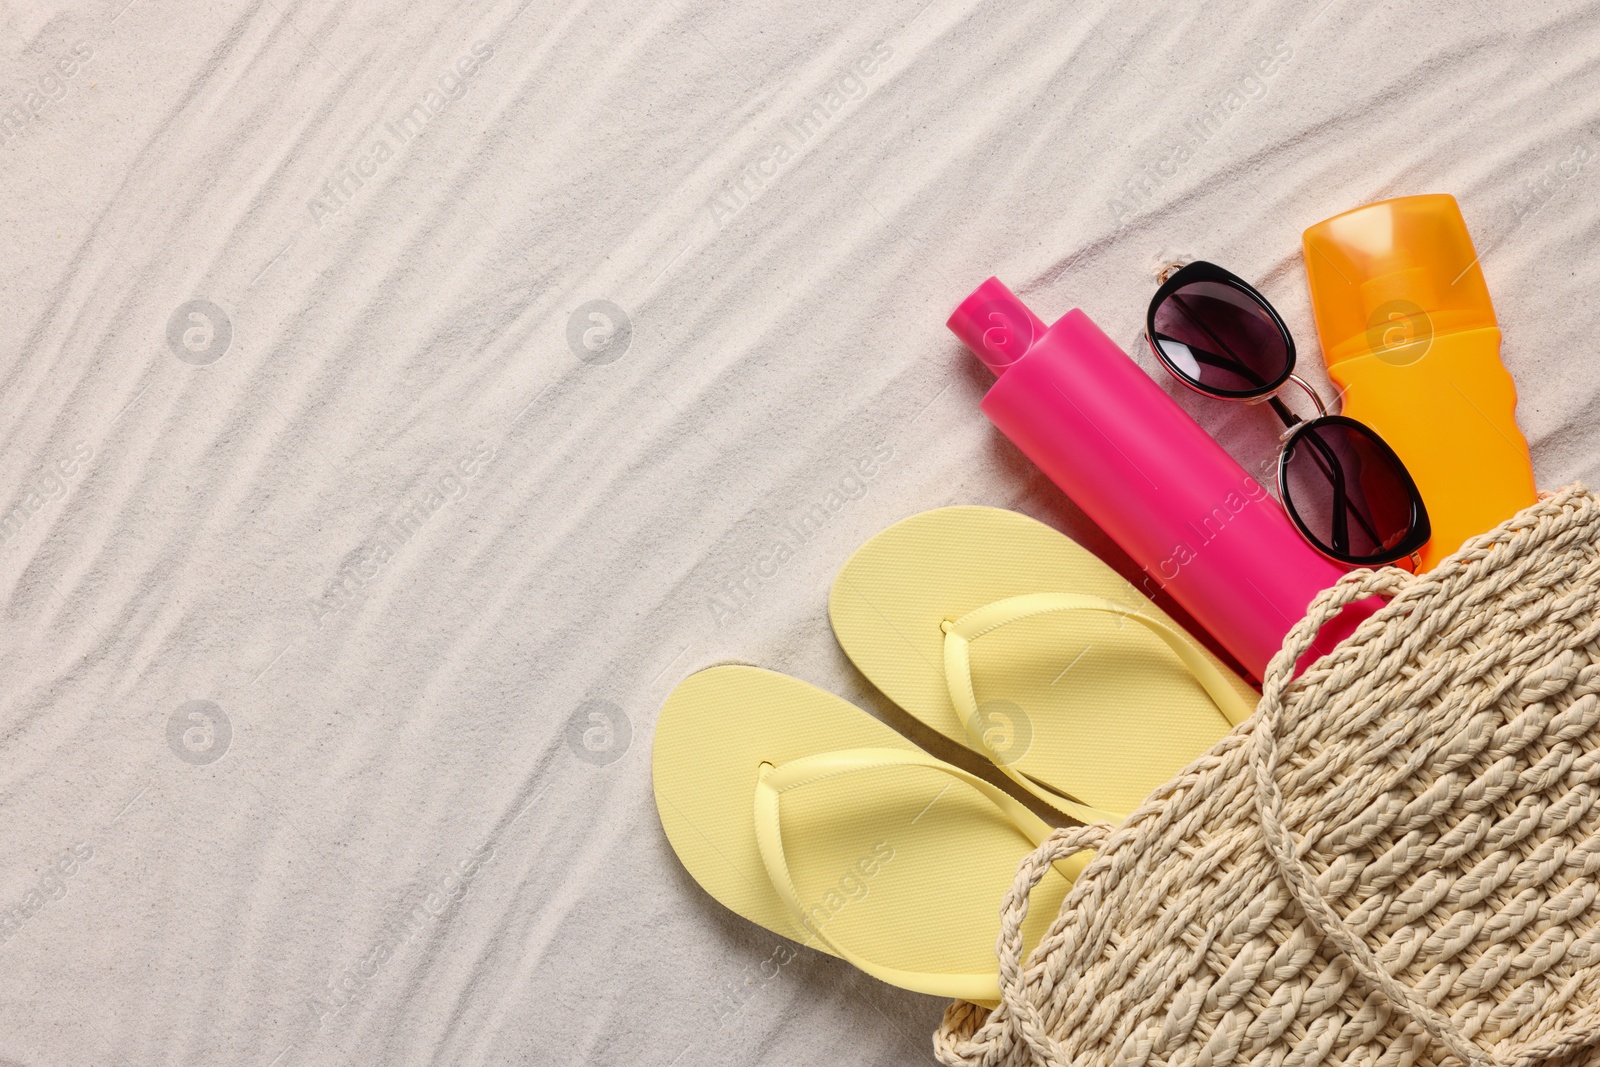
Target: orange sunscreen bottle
[[1411, 340]]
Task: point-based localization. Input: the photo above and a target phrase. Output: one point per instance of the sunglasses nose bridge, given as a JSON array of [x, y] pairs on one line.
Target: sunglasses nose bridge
[[1305, 387]]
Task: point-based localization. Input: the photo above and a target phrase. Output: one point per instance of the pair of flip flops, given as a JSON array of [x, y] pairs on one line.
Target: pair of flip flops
[[809, 817]]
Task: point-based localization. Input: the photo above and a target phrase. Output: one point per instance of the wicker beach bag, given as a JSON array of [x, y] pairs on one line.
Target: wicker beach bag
[[1394, 861]]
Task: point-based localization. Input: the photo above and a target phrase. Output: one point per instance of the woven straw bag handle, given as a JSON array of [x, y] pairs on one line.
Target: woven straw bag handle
[[1282, 847], [1061, 845]]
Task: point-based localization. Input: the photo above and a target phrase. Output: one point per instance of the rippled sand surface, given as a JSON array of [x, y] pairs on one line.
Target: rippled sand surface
[[398, 399]]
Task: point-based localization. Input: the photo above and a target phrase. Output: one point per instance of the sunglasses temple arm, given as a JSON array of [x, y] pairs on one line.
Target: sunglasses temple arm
[[1235, 364], [1340, 535], [1351, 509], [1343, 509], [1227, 363], [1331, 470], [1341, 505]]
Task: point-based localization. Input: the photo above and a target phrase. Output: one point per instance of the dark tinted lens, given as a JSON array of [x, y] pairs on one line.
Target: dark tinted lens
[[1220, 339], [1349, 493]]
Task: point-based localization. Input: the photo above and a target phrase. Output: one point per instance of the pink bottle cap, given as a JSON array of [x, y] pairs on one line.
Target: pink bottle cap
[[997, 326]]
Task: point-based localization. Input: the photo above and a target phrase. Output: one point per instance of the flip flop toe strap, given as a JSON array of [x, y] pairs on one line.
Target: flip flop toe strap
[[774, 780], [960, 633]]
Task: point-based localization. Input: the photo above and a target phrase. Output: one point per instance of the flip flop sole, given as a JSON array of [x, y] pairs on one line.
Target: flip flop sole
[[1090, 706], [904, 865]]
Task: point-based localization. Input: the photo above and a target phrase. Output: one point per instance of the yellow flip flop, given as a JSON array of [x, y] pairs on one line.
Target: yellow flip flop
[[807, 816], [1010, 638]]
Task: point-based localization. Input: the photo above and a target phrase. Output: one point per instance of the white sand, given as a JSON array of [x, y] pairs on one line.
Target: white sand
[[470, 717]]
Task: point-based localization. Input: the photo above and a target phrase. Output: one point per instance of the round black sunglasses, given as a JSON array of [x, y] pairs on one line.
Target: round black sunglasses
[[1342, 485]]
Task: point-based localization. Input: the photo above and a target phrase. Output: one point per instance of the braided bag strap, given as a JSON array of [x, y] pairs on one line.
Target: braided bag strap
[[1398, 585], [1281, 845], [1544, 563]]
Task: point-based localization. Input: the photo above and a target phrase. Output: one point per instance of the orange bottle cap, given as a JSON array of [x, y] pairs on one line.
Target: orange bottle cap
[[1393, 275]]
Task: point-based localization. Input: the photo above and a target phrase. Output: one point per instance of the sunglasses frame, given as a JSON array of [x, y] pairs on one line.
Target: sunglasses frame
[[1420, 529], [1201, 271]]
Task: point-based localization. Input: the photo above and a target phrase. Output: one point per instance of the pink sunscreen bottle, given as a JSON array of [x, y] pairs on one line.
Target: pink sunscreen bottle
[[1114, 441]]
